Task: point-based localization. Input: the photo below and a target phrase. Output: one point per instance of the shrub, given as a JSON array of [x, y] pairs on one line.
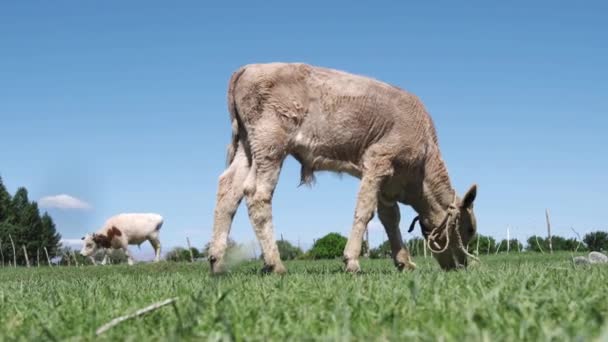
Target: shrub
[[596, 241], [328, 247]]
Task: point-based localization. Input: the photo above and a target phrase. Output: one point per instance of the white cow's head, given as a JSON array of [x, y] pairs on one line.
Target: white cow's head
[[90, 245]]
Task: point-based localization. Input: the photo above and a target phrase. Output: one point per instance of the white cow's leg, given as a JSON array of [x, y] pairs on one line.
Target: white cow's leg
[[105, 257], [375, 171], [156, 245], [229, 196], [93, 260], [129, 256], [259, 189], [389, 216]]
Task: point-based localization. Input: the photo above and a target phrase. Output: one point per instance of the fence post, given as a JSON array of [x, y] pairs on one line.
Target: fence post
[[424, 247], [549, 231], [190, 249], [27, 261], [75, 260], [14, 252], [1, 253], [489, 244], [508, 239], [47, 257], [538, 244], [37, 257]]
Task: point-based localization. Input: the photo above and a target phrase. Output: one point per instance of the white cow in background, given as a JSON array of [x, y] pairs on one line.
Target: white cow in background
[[123, 230]]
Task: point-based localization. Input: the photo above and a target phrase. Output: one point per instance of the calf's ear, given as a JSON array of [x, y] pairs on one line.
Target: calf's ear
[[469, 197]]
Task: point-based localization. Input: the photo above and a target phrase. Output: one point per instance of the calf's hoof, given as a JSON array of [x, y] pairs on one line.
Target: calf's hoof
[[276, 269], [405, 265], [215, 265], [352, 265]]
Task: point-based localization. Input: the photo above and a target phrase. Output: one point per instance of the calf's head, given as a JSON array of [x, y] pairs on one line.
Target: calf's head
[[449, 241]]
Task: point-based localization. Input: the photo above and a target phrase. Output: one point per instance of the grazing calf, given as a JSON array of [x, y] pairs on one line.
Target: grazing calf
[[330, 120], [123, 230]]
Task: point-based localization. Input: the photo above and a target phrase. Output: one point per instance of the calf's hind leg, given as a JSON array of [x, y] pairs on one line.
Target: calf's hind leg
[[389, 216], [259, 189], [229, 196]]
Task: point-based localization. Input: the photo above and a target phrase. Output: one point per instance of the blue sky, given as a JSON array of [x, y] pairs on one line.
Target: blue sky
[[122, 105]]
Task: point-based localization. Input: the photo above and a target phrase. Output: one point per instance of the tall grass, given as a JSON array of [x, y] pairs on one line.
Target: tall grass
[[516, 297]]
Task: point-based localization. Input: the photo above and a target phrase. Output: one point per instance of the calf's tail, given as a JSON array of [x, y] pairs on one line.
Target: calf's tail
[[234, 116]]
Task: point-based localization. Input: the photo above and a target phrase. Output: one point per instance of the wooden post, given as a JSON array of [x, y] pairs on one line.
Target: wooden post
[[190, 249], [549, 231], [578, 238], [47, 257], [14, 252], [538, 244], [477, 248], [508, 239], [75, 260], [27, 261], [424, 247], [37, 257], [489, 243]]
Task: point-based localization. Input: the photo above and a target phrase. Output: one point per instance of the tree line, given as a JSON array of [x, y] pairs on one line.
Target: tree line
[[22, 225], [332, 245]]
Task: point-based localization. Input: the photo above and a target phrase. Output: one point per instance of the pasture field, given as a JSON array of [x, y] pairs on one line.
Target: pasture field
[[516, 297]]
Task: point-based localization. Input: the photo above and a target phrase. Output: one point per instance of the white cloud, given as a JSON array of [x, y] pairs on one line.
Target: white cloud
[[63, 201], [375, 226], [71, 242]]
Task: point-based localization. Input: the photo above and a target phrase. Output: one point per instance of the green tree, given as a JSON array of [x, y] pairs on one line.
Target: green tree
[[382, 251], [596, 241], [179, 254], [5, 203], [6, 230], [514, 245], [21, 219], [49, 237], [537, 243], [230, 246], [66, 257], [328, 247], [487, 244], [415, 246], [19, 207], [288, 251]]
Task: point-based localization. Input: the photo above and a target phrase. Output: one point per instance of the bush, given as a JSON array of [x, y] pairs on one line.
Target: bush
[[596, 241], [328, 247], [182, 254], [558, 243], [288, 251], [382, 251], [487, 244], [514, 245]]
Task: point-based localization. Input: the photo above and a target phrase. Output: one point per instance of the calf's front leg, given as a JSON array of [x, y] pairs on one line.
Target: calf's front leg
[[364, 212]]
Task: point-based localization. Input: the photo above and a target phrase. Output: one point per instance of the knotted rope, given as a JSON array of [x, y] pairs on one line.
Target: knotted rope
[[449, 223]]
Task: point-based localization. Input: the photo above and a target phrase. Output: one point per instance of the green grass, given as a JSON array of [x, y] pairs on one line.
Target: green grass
[[517, 297]]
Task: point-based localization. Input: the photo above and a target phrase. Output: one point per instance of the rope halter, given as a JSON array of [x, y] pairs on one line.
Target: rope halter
[[449, 223]]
